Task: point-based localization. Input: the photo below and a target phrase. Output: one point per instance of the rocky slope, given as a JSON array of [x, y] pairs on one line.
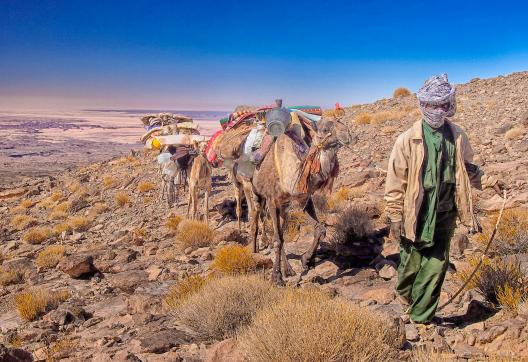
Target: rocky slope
[[118, 266]]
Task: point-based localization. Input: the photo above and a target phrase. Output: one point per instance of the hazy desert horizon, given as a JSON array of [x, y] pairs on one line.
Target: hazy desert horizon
[[45, 142]]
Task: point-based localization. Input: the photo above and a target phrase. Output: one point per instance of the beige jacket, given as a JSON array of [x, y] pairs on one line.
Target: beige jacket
[[404, 190]]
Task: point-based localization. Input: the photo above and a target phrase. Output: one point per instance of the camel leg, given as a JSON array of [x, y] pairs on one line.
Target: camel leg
[[246, 186], [195, 195], [276, 275], [286, 267], [319, 233], [206, 201], [254, 221], [238, 197], [189, 202]]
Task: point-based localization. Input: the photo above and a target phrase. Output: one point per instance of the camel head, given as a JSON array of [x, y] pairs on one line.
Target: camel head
[[199, 147], [332, 133]]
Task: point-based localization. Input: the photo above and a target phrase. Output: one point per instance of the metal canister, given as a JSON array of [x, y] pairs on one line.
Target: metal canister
[[277, 121]]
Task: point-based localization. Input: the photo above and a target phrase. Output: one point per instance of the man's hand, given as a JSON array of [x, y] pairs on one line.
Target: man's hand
[[395, 231], [499, 188]]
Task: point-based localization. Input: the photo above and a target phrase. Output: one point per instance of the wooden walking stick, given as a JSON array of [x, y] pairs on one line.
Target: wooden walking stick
[[492, 236]]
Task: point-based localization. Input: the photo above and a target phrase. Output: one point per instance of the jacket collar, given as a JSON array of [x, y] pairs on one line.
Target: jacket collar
[[417, 130]]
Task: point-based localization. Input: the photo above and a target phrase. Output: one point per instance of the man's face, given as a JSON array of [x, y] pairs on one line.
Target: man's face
[[444, 106]]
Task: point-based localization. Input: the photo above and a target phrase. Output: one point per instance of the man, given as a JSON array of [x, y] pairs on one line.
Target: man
[[428, 185]]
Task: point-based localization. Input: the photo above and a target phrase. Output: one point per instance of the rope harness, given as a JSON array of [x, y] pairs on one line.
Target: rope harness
[[492, 237]]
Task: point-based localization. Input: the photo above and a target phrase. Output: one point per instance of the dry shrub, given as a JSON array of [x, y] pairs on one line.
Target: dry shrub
[[363, 118], [183, 289], [307, 325], [510, 298], [195, 234], [60, 349], [139, 232], [401, 92], [98, 208], [37, 235], [23, 206], [79, 223], [60, 211], [121, 198], [46, 203], [62, 227], [226, 304], [74, 186], [233, 259], [423, 354], [494, 276], [56, 196], [512, 233], [515, 133], [109, 181], [20, 222], [145, 186], [296, 221], [49, 257], [342, 196], [354, 224], [173, 222], [32, 304], [388, 130], [10, 276]]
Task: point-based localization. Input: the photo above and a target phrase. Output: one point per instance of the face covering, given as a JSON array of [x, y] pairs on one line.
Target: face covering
[[437, 100]]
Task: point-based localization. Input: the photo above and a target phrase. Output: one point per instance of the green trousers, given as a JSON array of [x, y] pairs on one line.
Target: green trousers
[[422, 270]]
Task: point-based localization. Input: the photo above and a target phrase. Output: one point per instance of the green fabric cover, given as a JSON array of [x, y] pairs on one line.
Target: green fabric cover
[[438, 180]]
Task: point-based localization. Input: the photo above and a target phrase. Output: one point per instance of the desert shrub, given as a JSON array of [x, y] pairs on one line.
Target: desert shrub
[[494, 275], [423, 354], [23, 206], [363, 118], [296, 221], [60, 211], [223, 305], [512, 233], [183, 289], [50, 256], [307, 325], [56, 196], [388, 130], [37, 235], [341, 196], [60, 349], [98, 208], [121, 198], [233, 259], [145, 186], [510, 298], [139, 232], [74, 186], [353, 224], [173, 222], [32, 304], [79, 223], [515, 133], [46, 203], [10, 276], [62, 227], [195, 234], [401, 92], [109, 181], [20, 222]]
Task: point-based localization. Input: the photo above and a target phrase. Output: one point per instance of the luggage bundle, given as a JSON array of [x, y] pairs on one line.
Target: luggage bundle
[[246, 135], [165, 129]]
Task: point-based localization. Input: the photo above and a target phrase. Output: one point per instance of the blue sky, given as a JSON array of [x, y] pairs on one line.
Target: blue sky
[[217, 54]]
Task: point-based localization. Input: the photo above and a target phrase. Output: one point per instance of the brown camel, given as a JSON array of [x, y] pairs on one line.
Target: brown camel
[[199, 179], [279, 182]]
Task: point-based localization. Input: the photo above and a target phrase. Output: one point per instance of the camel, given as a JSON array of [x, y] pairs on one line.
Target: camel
[[199, 179], [279, 182]]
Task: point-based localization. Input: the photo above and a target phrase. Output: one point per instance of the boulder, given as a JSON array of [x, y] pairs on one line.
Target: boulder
[[224, 351], [14, 354], [162, 341], [77, 266], [127, 281]]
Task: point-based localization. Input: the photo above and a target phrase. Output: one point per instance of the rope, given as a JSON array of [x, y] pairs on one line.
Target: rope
[[492, 236]]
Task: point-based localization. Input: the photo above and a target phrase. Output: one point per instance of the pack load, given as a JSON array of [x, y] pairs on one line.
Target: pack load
[[166, 124], [248, 134]]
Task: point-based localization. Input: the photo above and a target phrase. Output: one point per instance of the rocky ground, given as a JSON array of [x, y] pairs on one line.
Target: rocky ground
[[118, 267]]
